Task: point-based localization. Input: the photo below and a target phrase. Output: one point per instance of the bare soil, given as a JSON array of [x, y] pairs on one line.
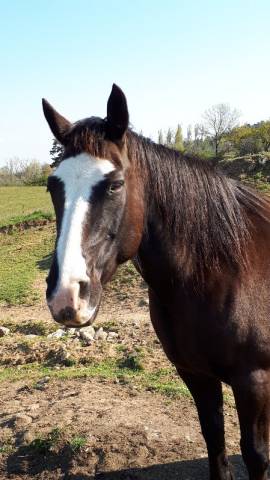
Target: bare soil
[[100, 428]]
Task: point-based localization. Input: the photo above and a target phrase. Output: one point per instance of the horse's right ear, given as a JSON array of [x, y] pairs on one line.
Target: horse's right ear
[[117, 114], [58, 124]]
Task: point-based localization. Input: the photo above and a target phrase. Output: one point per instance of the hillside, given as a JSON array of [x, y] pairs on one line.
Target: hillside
[[251, 169]]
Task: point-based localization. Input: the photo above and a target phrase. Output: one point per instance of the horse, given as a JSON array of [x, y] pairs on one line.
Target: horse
[[200, 241]]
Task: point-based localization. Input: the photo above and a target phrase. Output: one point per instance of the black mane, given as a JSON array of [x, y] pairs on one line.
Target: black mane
[[205, 212], [201, 209]]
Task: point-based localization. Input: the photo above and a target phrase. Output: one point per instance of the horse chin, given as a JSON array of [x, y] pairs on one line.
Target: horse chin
[[91, 314]]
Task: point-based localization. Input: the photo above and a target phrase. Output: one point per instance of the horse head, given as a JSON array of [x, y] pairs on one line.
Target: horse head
[[98, 209]]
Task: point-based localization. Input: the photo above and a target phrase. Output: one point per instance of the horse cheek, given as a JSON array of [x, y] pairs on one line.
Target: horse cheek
[[132, 229]]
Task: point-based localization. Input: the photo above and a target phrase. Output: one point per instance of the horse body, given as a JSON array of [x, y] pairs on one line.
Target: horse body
[[215, 329], [200, 241]]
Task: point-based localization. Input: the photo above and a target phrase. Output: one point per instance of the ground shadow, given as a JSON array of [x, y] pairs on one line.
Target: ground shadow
[[27, 465], [45, 262], [185, 470]]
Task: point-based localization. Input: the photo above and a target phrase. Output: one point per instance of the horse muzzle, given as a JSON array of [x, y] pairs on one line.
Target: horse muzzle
[[69, 309]]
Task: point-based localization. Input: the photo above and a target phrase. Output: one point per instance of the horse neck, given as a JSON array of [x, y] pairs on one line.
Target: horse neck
[[194, 217], [155, 254]]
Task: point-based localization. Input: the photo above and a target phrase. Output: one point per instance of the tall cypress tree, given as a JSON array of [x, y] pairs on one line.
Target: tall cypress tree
[[160, 137], [169, 138], [178, 139]]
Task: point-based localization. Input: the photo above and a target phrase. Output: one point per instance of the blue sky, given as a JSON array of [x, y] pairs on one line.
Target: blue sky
[[173, 59]]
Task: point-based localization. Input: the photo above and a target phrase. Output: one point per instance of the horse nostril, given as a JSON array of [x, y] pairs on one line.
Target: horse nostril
[[84, 289], [68, 313]]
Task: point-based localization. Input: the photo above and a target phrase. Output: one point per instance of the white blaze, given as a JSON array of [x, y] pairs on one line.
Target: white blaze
[[79, 175]]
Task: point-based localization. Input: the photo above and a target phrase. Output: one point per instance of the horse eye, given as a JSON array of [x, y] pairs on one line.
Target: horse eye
[[115, 186]]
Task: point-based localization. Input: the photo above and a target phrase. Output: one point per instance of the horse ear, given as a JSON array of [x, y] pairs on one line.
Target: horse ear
[[117, 114], [58, 124]]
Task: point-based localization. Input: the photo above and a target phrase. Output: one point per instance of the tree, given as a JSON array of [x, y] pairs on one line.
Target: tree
[[263, 134], [160, 137], [32, 174], [189, 134], [169, 138], [56, 153], [178, 139], [244, 139], [219, 120], [24, 172]]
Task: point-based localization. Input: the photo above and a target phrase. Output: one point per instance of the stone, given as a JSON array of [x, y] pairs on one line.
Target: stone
[[43, 380], [31, 336], [71, 332], [42, 383], [33, 407], [21, 420], [87, 334], [87, 338], [63, 355], [4, 331], [89, 330], [28, 437], [112, 336], [58, 334], [100, 334], [144, 302]]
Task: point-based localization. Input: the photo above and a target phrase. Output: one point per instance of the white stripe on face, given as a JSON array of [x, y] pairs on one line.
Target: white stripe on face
[[79, 175]]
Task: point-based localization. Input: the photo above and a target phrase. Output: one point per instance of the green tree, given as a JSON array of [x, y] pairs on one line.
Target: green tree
[[244, 139], [178, 139], [263, 134], [56, 153]]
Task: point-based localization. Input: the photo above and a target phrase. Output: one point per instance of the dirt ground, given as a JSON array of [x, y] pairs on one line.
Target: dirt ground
[[120, 430]]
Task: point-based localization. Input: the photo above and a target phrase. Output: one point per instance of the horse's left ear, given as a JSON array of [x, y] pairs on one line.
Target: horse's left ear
[[117, 114], [58, 124]]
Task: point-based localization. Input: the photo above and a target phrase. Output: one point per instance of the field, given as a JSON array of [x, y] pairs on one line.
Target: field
[[113, 409], [19, 204]]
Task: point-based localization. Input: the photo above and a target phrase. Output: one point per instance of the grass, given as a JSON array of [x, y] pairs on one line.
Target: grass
[[23, 256], [28, 327], [17, 203], [131, 361], [44, 445], [163, 381], [29, 218], [77, 443], [57, 440]]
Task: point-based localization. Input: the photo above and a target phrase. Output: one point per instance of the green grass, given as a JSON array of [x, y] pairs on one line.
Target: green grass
[[16, 203], [77, 443], [29, 218], [43, 445], [163, 381], [23, 256], [33, 327], [57, 440], [131, 361]]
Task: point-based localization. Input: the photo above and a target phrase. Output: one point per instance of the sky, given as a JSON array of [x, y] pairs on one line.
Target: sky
[[173, 59]]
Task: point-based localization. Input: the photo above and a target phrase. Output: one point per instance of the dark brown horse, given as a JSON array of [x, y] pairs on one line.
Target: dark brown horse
[[200, 240]]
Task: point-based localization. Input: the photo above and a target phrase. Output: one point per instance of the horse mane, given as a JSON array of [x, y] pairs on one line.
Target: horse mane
[[200, 208], [206, 212]]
